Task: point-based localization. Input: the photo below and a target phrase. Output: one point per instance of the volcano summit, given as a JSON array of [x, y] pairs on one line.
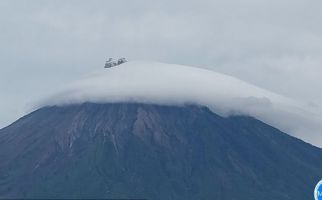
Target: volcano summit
[[159, 131]]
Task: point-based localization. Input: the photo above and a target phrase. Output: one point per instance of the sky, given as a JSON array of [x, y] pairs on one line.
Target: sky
[[44, 45]]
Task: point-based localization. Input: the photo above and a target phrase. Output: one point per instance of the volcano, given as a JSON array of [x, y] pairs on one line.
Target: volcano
[[149, 151]]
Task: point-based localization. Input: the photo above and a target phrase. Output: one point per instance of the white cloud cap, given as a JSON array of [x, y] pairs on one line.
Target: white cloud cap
[[150, 82]]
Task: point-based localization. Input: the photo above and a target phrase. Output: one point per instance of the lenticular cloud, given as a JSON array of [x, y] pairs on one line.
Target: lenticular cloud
[[158, 83]]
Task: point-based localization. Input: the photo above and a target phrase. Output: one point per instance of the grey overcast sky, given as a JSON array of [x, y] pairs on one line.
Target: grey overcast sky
[[274, 44]]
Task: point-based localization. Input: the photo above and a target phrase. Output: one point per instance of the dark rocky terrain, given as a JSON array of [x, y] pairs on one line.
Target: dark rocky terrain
[[152, 152]]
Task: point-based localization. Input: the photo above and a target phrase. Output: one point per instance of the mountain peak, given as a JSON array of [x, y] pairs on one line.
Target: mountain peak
[[130, 150]]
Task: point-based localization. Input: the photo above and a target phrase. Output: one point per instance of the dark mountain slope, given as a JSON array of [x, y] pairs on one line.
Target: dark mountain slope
[[153, 152]]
